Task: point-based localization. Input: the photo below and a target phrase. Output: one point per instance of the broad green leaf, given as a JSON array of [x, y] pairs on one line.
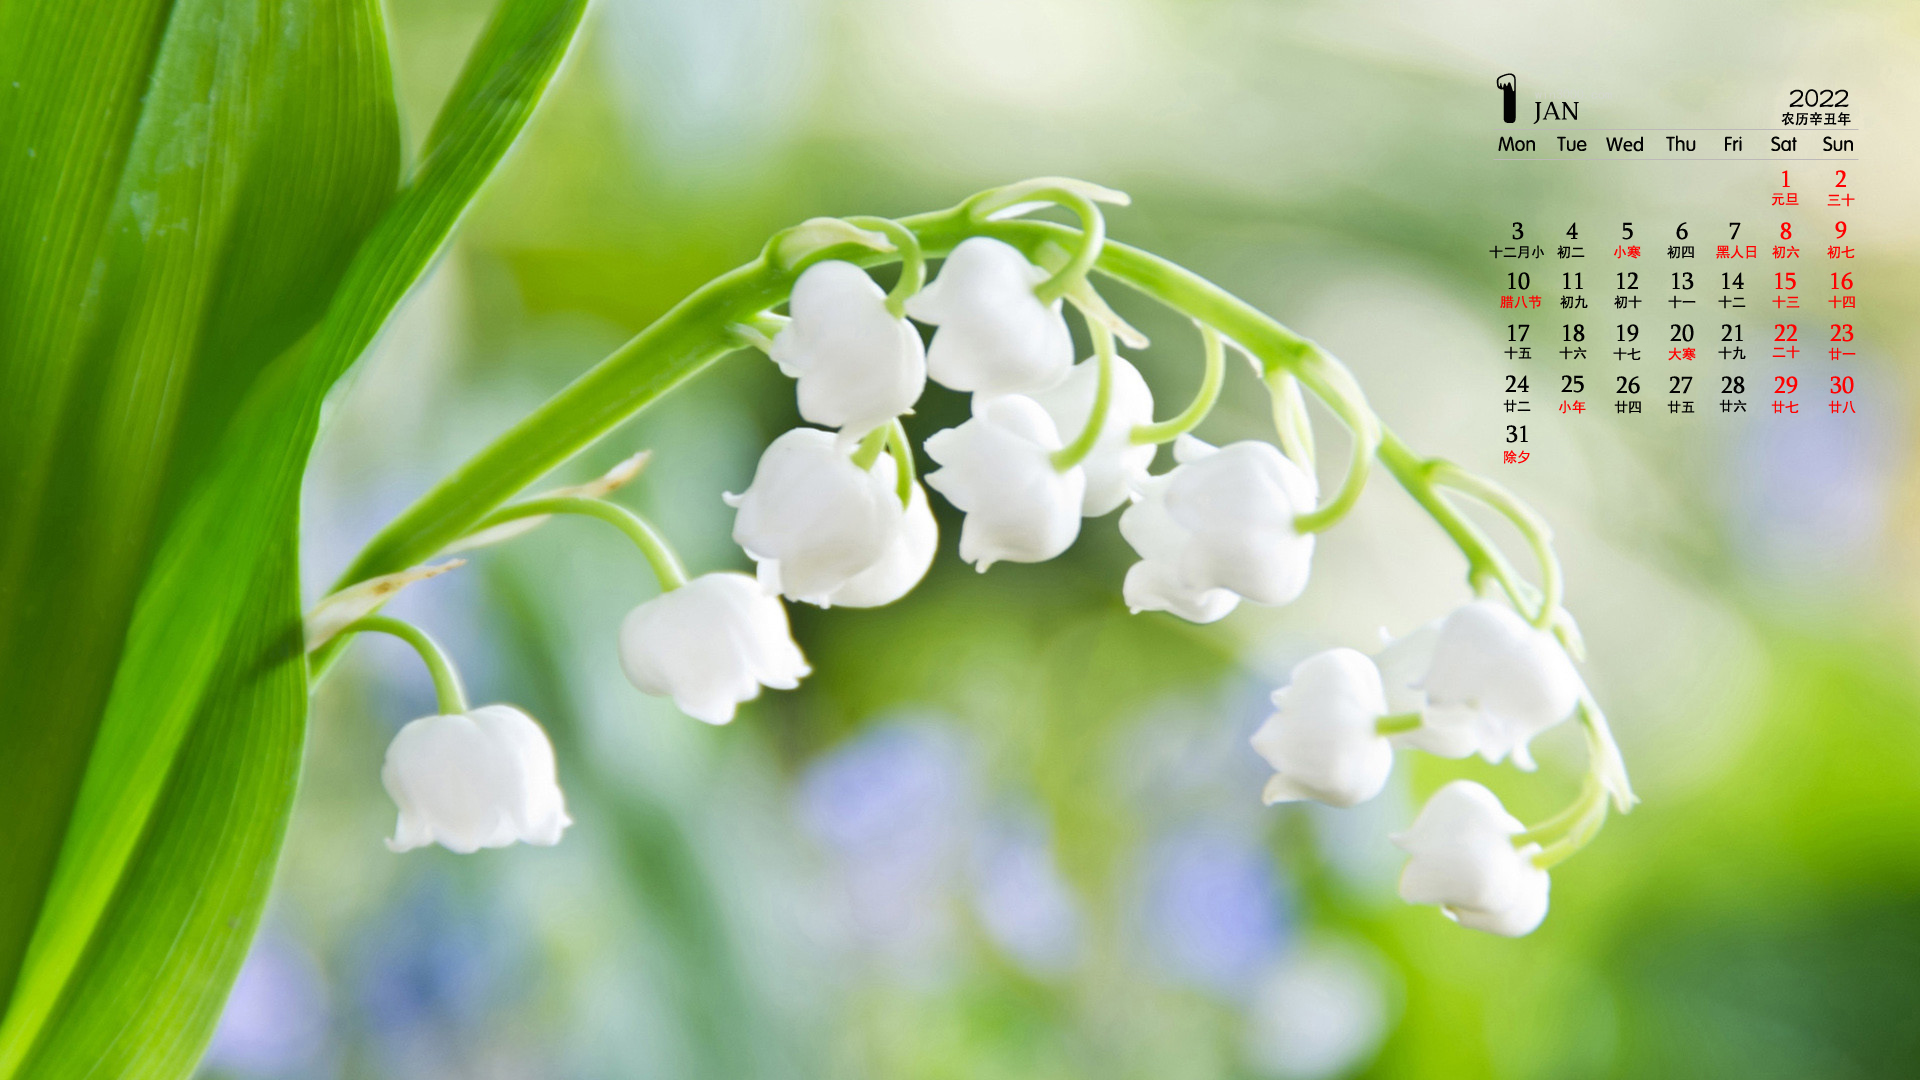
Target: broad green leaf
[[173, 838], [182, 186]]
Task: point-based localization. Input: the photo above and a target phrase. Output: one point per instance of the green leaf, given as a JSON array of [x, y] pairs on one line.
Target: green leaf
[[181, 189], [164, 865]]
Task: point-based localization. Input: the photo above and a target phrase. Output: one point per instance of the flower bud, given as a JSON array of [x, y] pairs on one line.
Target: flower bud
[[812, 518], [998, 469], [1115, 464], [1490, 681], [858, 365], [1322, 743], [1217, 529], [711, 644], [480, 779], [995, 335], [1462, 857]]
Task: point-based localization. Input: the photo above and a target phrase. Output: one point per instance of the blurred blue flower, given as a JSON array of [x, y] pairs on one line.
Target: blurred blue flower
[[1212, 909], [894, 806], [1024, 904], [1811, 492], [895, 791], [429, 964], [276, 1019]]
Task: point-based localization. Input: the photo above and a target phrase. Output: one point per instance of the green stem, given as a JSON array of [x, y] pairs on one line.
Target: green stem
[[1574, 828], [1552, 828], [1334, 385], [1484, 561], [1076, 451], [913, 262], [1398, 723], [1203, 402], [1538, 534], [758, 331], [902, 461], [451, 695], [666, 566], [1290, 420], [1093, 228], [870, 446]]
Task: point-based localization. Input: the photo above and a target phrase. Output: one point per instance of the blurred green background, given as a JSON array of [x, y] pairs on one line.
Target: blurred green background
[[1007, 829]]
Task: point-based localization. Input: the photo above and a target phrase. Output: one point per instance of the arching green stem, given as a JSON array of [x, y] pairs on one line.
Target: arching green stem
[[666, 566], [1552, 828], [1076, 196], [1210, 381], [452, 697], [913, 264], [1538, 534], [1335, 386], [1290, 420], [1570, 830], [1485, 563], [902, 461], [1076, 451]]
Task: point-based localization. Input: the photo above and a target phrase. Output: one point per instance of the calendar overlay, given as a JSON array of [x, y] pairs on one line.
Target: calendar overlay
[[1738, 309]]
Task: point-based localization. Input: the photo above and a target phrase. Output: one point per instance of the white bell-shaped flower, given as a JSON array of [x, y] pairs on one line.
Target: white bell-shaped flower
[[998, 469], [1462, 857], [1403, 663], [995, 336], [711, 644], [1322, 743], [479, 779], [813, 519], [1488, 680], [858, 365], [901, 565], [1219, 529], [1115, 464]]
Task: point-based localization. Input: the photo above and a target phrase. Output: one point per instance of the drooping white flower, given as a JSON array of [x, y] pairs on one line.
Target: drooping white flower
[[1115, 464], [1488, 682], [812, 518], [857, 364], [1403, 662], [1462, 857], [901, 565], [711, 644], [480, 779], [998, 469], [1219, 529], [1322, 742], [995, 336]]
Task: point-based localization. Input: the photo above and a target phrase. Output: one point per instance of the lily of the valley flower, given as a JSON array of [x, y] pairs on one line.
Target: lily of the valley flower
[[901, 566], [1323, 743], [1488, 682], [480, 779], [1217, 529], [858, 364], [1115, 464], [710, 645], [1462, 857], [812, 518], [998, 469], [995, 336]]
